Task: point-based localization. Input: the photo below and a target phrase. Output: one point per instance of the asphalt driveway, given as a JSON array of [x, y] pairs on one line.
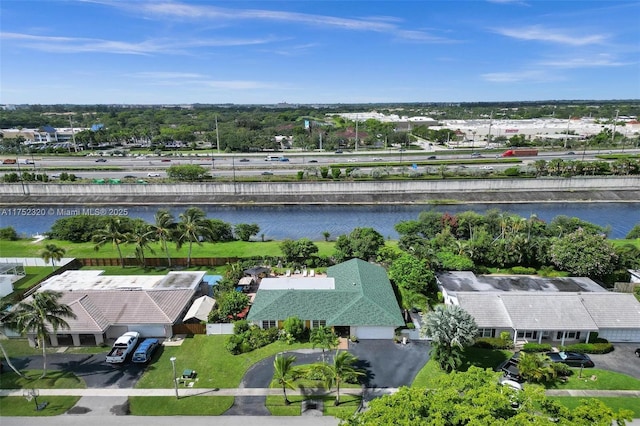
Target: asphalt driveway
[[622, 359], [92, 368]]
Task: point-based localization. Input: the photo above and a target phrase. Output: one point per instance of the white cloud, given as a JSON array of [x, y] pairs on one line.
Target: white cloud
[[540, 33], [602, 60], [175, 10], [537, 76], [147, 47]]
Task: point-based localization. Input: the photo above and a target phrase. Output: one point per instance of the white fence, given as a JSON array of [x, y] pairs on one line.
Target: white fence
[[219, 328]]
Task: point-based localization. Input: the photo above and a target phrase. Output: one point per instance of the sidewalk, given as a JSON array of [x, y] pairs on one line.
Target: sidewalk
[[185, 392]]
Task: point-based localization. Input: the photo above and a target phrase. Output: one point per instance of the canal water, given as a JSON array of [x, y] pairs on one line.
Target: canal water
[[280, 222]]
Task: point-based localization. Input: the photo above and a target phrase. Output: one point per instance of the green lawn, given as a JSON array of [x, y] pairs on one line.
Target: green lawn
[[19, 406], [54, 379], [215, 366], [598, 379], [185, 406], [348, 405], [26, 248], [615, 403], [20, 347], [483, 358]]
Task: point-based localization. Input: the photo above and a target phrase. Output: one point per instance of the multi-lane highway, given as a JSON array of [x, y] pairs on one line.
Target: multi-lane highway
[[229, 165]]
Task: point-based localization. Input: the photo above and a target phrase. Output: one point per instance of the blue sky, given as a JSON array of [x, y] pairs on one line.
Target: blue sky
[[263, 52]]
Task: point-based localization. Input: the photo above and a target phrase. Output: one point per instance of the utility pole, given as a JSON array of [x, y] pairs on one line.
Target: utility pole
[[217, 136], [356, 133], [613, 134]]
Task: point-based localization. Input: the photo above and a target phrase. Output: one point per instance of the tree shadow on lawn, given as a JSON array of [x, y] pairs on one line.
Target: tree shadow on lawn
[[483, 358]]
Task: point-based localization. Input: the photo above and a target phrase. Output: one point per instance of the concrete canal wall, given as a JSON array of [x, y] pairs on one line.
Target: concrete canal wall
[[585, 189]]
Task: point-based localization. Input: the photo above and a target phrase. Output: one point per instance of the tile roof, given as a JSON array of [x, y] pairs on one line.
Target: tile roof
[[97, 310], [363, 296]]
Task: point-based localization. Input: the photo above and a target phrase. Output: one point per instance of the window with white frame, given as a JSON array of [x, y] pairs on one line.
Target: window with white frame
[[527, 334], [568, 335], [269, 324], [318, 323], [486, 332]]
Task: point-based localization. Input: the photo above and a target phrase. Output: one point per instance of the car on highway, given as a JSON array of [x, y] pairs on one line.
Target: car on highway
[[338, 151], [130, 177], [377, 159], [244, 160], [165, 160], [267, 173], [571, 153], [101, 160], [476, 155], [431, 157], [285, 159], [638, 352], [153, 174], [572, 359], [352, 160], [487, 167], [313, 161]]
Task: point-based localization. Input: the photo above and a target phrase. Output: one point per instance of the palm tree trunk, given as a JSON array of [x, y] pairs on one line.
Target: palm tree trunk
[[166, 250], [337, 401], [120, 255], [44, 359], [4, 353], [189, 256], [284, 391]]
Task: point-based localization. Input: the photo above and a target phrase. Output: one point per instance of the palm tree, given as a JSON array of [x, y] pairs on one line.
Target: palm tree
[[113, 233], [53, 253], [536, 367], [323, 337], [192, 226], [164, 230], [42, 313], [7, 320], [341, 370], [283, 372], [142, 236]]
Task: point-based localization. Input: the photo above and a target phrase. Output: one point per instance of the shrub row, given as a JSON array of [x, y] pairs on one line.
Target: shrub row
[[493, 343], [589, 348], [536, 347]]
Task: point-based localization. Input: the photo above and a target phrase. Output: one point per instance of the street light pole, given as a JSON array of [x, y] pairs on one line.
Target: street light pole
[[175, 379]]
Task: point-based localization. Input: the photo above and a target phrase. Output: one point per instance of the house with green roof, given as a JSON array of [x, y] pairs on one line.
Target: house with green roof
[[355, 298]]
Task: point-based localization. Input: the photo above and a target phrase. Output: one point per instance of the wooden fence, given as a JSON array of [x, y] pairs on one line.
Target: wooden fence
[[159, 262], [189, 329]]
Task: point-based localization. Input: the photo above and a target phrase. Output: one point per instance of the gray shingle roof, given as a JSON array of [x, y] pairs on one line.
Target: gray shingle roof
[[552, 311], [363, 296]]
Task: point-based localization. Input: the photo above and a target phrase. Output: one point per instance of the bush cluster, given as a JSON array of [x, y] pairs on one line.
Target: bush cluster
[[493, 343], [248, 337], [536, 347], [522, 270], [589, 348]]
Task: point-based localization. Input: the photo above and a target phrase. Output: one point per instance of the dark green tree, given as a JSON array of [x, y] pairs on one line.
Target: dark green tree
[[244, 231]]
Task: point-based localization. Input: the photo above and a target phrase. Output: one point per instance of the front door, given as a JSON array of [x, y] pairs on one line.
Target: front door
[[342, 331]]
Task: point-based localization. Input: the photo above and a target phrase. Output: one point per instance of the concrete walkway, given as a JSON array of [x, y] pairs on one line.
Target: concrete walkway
[[182, 392], [371, 392]]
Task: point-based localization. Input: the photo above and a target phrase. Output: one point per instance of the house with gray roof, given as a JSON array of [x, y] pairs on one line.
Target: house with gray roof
[[355, 298], [107, 306], [555, 310]]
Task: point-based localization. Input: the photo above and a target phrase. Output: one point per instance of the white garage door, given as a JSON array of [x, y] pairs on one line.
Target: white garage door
[[374, 332], [148, 330], [620, 334]]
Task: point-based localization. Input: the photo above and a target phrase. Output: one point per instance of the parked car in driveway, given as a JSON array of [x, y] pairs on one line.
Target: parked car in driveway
[[510, 370], [638, 352], [572, 359]]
